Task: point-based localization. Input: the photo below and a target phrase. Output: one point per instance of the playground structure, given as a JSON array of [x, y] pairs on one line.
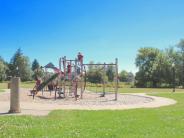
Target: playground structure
[[71, 78]]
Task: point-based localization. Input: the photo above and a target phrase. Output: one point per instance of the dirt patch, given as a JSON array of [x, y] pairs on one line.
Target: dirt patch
[[43, 104]]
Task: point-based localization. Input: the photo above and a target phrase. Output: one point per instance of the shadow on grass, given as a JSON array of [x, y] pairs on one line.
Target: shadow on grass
[[8, 113]]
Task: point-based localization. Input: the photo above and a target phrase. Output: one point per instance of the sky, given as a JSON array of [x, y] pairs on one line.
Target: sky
[[101, 29]]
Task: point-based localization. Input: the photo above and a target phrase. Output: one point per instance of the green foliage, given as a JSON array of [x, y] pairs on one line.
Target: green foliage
[[148, 67], [47, 81], [181, 47], [3, 70], [35, 65], [94, 76], [110, 73], [155, 67], [99, 73], [38, 72], [20, 66], [125, 76]]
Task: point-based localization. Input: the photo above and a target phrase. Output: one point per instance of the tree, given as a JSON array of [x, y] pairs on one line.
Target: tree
[[125, 76], [148, 63], [91, 67], [38, 73], [95, 76], [130, 77], [155, 67], [37, 70], [95, 73], [3, 69], [181, 47], [173, 57], [110, 73], [35, 65], [20, 66]]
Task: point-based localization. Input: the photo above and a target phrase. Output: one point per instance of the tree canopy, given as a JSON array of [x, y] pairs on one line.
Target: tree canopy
[[155, 67], [20, 66]]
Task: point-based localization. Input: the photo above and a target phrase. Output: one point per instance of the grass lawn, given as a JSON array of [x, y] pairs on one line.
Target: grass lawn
[[1, 90], [3, 85], [164, 122], [135, 90], [29, 84], [125, 89]]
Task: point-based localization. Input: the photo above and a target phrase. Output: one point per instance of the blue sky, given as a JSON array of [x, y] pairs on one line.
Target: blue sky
[[101, 29]]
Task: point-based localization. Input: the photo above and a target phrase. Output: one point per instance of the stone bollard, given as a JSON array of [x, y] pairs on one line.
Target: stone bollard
[[15, 95]]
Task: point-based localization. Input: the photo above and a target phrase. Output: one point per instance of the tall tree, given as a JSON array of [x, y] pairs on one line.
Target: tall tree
[[20, 66], [148, 67], [125, 76], [95, 73], [181, 47], [35, 65], [130, 77], [110, 73], [91, 67], [3, 69], [95, 77], [173, 57]]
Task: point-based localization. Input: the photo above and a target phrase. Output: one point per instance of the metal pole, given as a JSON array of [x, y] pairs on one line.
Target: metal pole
[[116, 79], [104, 81], [174, 81], [64, 81], [98, 64], [70, 73], [75, 79], [82, 81]]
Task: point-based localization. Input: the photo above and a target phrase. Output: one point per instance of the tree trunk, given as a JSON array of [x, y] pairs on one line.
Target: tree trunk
[[154, 84]]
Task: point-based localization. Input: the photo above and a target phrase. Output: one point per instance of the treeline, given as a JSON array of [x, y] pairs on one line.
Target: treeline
[[98, 74], [19, 65], [160, 68]]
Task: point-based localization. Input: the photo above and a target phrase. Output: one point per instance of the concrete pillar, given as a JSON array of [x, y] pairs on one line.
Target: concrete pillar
[[15, 95]]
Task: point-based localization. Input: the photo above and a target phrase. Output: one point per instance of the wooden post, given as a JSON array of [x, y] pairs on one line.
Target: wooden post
[[15, 95], [116, 79]]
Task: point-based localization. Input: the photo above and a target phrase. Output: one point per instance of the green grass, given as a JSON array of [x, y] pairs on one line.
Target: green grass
[[1, 90], [135, 90], [164, 122], [29, 84], [3, 85], [126, 88]]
